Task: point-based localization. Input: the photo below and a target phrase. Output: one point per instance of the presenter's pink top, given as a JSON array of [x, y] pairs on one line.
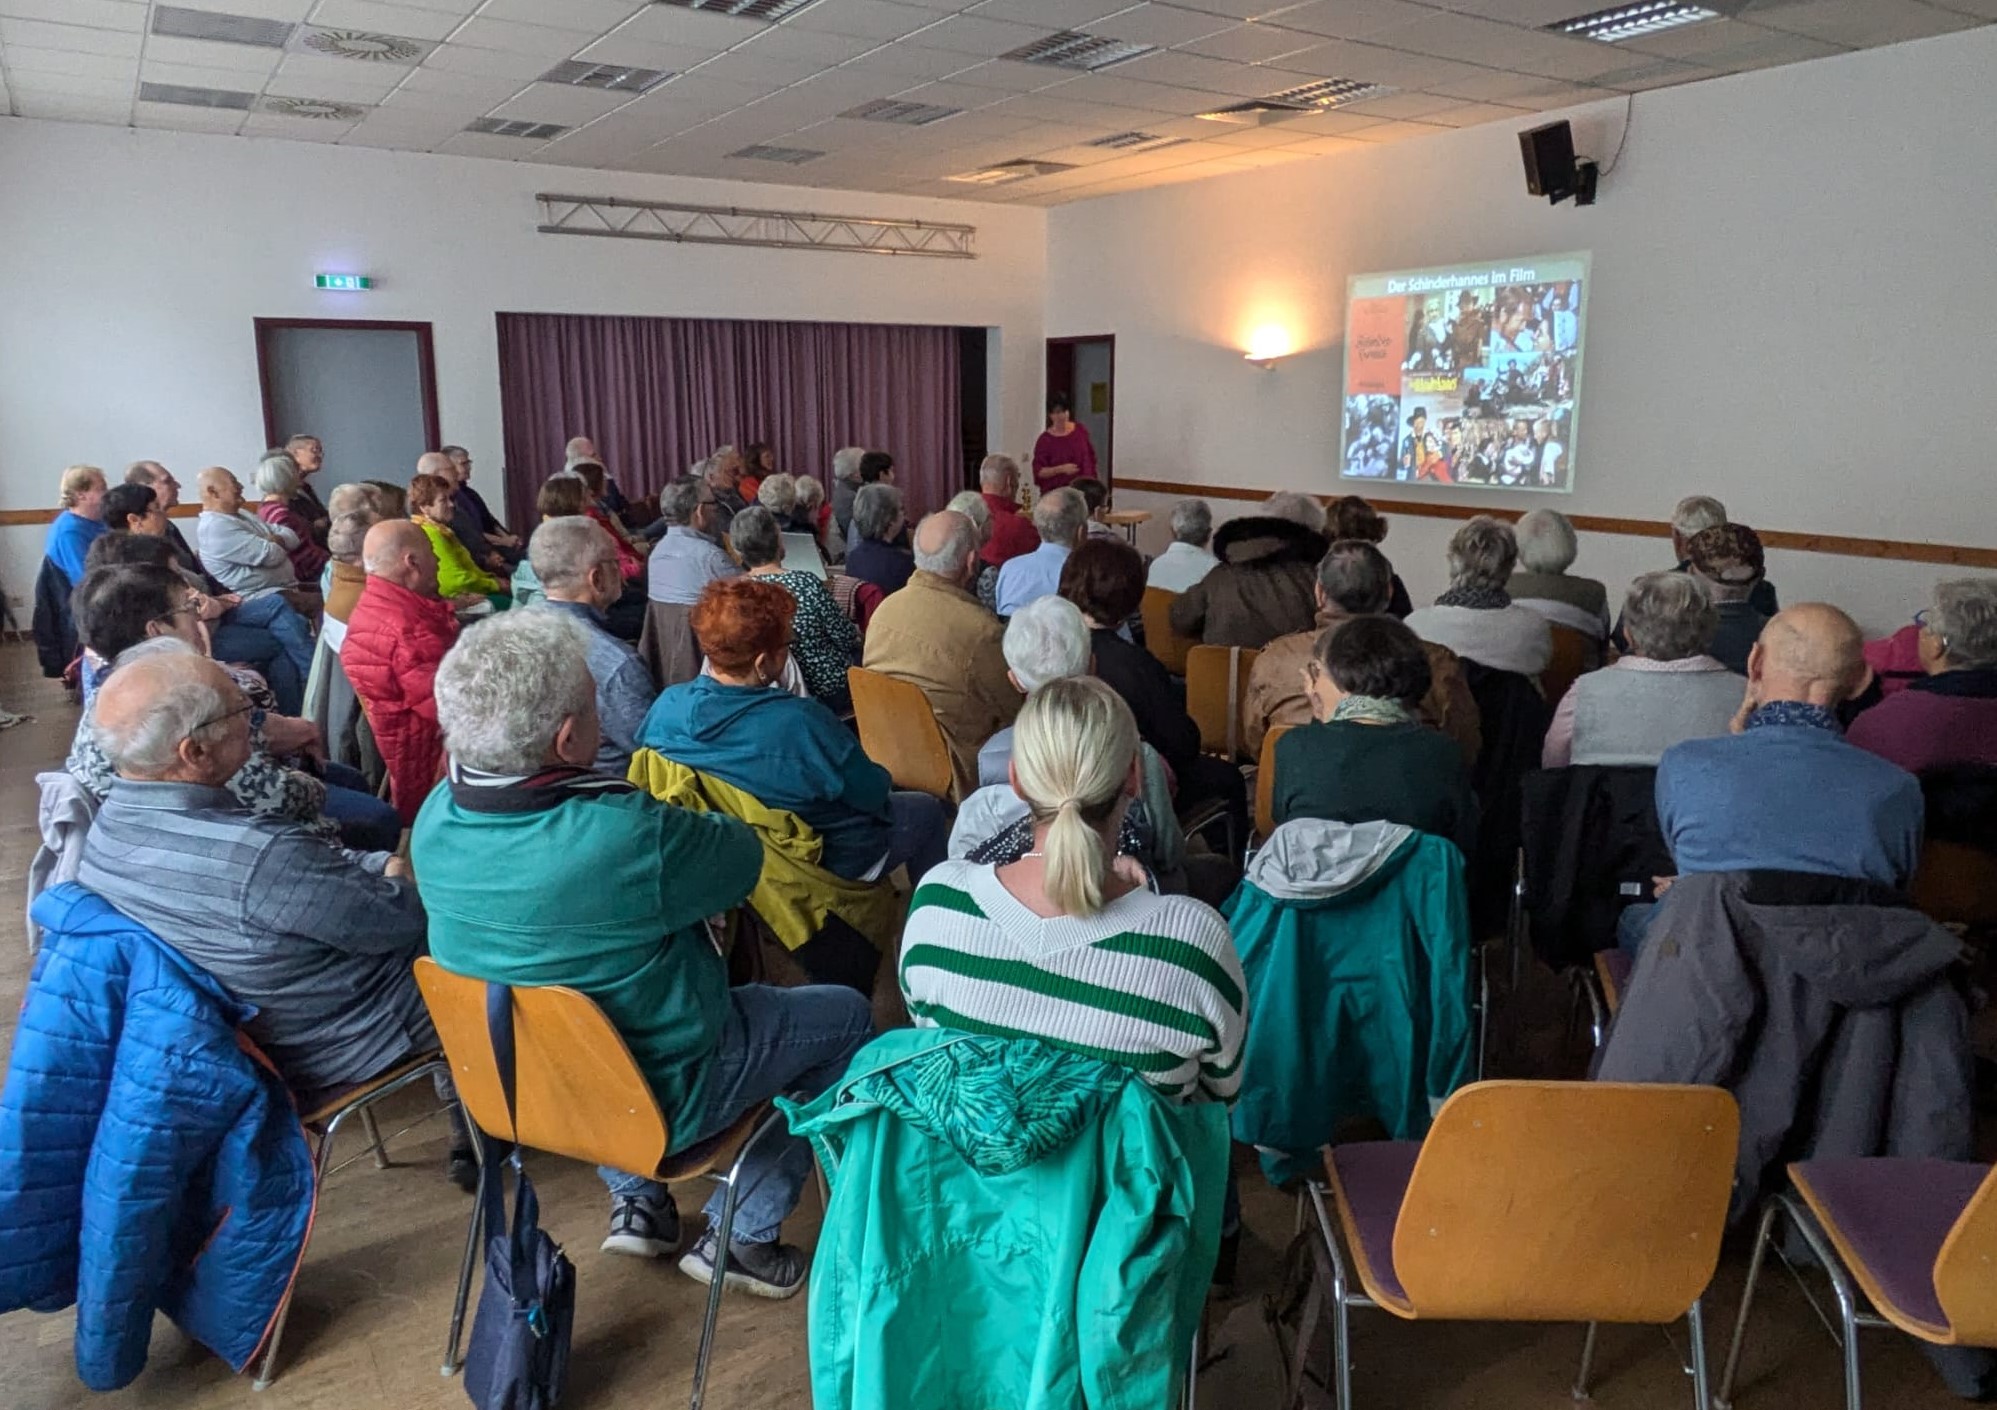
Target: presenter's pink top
[[1072, 449]]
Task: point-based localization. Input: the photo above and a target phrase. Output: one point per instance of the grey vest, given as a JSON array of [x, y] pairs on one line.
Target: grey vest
[[1632, 717]]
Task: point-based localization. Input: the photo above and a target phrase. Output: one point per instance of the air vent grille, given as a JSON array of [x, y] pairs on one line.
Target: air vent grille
[[188, 97], [899, 110], [515, 127], [769, 11], [1121, 140], [320, 109], [580, 73], [1331, 93], [363, 46], [1621, 22], [1071, 49], [1257, 112], [172, 22], [789, 156]]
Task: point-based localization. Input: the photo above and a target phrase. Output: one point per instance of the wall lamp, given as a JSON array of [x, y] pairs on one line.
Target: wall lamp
[[1267, 344]]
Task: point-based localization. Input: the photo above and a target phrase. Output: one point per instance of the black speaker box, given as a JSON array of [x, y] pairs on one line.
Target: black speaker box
[[1549, 160]]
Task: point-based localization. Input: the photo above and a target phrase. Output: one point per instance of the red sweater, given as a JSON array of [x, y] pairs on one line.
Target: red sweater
[[1012, 532], [395, 641]]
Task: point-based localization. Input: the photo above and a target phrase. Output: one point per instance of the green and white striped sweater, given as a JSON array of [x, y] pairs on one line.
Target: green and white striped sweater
[[1151, 982]]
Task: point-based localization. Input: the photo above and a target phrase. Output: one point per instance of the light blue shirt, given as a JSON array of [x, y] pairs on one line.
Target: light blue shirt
[[624, 689], [1030, 577], [683, 564]]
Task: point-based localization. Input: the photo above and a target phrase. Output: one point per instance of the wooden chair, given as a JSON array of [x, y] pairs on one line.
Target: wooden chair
[[1919, 1238], [1575, 654], [1956, 884], [899, 732], [579, 1094], [1265, 783], [1159, 639], [1530, 1202], [322, 1121], [1217, 694]]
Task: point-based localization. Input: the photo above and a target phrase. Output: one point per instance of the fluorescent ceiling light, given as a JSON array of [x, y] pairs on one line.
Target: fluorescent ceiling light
[[1634, 21], [1332, 93], [1071, 49]]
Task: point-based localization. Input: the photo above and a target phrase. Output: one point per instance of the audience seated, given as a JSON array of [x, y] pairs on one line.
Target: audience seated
[[79, 523], [1727, 558], [247, 555], [576, 562], [476, 515], [1367, 757], [1061, 519], [723, 473], [316, 939], [1476, 618], [1189, 557], [607, 891], [1263, 587], [582, 448], [277, 482], [1949, 716], [845, 487], [1105, 578], [1666, 689], [396, 637], [631, 548], [689, 556], [1547, 549], [1354, 579], [1012, 532], [122, 605], [778, 494], [813, 509], [346, 576], [459, 578], [308, 454], [1066, 944], [824, 641], [935, 635], [872, 554], [1095, 494], [1692, 516], [972, 506], [166, 489], [1350, 517]]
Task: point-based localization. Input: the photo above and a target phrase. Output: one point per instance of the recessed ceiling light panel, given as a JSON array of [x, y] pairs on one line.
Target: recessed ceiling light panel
[[769, 11], [1257, 112], [1071, 49], [517, 127], [1019, 170], [789, 156], [614, 78], [899, 110], [1332, 93], [173, 22], [1634, 21], [190, 97]]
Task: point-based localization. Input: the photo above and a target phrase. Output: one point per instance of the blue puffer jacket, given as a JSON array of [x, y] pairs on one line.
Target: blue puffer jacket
[[147, 1159]]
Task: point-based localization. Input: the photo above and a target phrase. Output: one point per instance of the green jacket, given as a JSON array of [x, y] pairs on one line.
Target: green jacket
[[1355, 941], [1011, 1226], [592, 884]]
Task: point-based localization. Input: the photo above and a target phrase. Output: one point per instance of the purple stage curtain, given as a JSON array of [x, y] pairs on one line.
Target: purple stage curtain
[[657, 394]]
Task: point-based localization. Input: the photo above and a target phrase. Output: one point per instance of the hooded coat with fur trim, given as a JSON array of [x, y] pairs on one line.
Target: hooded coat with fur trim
[[1265, 586]]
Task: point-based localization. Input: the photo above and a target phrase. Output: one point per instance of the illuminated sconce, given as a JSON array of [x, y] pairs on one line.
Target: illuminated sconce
[[1266, 344]]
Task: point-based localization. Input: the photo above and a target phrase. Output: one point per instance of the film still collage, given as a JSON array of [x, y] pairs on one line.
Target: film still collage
[[1487, 390]]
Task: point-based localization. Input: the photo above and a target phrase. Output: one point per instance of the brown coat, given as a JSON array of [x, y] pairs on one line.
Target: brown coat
[[1265, 586], [345, 590], [1276, 692], [936, 635]]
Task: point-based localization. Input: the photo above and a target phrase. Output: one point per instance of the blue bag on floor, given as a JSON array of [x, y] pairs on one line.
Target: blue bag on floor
[[519, 1354]]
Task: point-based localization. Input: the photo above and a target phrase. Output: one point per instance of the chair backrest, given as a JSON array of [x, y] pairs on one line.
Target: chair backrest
[[1574, 655], [1956, 884], [578, 1090], [801, 554], [1216, 694], [1568, 1202], [1159, 639], [899, 732], [1966, 1269], [1265, 781]]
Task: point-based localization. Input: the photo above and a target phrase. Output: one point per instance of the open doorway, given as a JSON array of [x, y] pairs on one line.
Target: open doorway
[[1085, 369], [366, 389]]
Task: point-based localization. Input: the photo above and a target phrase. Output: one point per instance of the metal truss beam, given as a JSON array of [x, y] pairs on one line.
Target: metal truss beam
[[731, 225]]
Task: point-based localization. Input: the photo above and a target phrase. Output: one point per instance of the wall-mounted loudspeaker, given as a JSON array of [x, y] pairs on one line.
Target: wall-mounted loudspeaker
[[1551, 169]]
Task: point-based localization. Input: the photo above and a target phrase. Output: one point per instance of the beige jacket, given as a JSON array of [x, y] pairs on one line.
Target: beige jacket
[[1276, 692], [936, 635]]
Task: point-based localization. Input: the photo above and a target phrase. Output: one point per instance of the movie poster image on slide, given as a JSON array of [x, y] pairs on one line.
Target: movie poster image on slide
[[1465, 376]]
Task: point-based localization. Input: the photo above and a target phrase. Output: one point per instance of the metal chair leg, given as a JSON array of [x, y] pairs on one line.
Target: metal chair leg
[[374, 1138], [470, 1260], [267, 1367], [1341, 1317], [732, 1187], [1841, 1286], [1763, 1231], [1190, 1400], [1695, 1330], [1580, 1390]]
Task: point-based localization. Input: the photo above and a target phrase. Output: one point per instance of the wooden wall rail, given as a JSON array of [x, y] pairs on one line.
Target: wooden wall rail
[[42, 516], [1954, 555]]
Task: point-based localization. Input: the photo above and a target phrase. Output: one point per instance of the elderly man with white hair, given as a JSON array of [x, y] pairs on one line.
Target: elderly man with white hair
[[607, 890], [576, 561], [935, 634], [1187, 559], [1548, 547], [1061, 519], [689, 556], [1692, 516], [245, 554], [845, 485], [1265, 584], [1012, 533]]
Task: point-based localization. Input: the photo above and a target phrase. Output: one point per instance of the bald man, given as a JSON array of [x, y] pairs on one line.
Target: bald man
[[245, 554], [1785, 792], [397, 636]]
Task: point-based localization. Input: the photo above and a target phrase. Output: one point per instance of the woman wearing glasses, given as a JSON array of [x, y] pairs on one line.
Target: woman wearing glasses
[[1948, 716]]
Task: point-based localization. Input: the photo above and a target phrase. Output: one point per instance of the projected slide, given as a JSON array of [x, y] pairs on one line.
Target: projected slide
[[1469, 375]]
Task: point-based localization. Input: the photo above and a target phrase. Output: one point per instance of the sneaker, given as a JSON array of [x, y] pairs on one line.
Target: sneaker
[[771, 1270], [641, 1228], [462, 1169]]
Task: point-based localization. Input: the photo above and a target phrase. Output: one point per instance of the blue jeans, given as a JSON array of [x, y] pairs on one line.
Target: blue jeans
[[266, 633], [1631, 925], [774, 1042], [919, 834], [367, 823]]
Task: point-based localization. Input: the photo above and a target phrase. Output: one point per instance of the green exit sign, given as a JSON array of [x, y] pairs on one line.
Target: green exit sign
[[342, 281]]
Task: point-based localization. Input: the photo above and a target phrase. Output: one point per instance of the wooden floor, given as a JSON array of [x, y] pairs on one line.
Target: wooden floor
[[373, 1298]]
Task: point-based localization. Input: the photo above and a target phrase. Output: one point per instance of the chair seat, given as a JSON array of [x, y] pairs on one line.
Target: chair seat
[[1369, 1179], [1888, 1219], [317, 1108], [703, 1156], [1613, 968]]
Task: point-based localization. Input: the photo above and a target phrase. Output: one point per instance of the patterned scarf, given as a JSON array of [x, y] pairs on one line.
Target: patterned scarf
[[1483, 599], [1794, 712], [1373, 710]]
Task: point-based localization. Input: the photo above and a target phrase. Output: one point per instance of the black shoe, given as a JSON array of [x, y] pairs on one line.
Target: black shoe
[[771, 1270], [641, 1228], [462, 1168]]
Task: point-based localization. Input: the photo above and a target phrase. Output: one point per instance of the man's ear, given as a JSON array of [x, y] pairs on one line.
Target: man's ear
[[1755, 657], [565, 742], [1015, 682]]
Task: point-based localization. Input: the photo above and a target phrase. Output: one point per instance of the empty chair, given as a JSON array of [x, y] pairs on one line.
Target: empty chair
[[1530, 1202], [1265, 782], [1159, 639], [899, 732], [1216, 695]]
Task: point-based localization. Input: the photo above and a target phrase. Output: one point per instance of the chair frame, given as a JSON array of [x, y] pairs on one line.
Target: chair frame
[[359, 1102], [860, 679]]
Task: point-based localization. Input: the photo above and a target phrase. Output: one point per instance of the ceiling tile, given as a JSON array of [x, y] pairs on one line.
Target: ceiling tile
[[908, 62], [93, 14], [1014, 76], [39, 34], [69, 85], [430, 25], [1864, 22], [1163, 25], [646, 54], [668, 24], [1530, 13], [1253, 43], [1401, 105], [1479, 41], [484, 144], [538, 40], [757, 74], [1491, 86], [955, 95], [389, 139], [783, 42], [861, 19], [425, 82], [294, 129], [1979, 9], [1354, 19], [201, 53], [1184, 70], [310, 76], [487, 63], [1472, 114], [198, 76], [256, 9], [1051, 14], [595, 16], [23, 60], [1134, 93], [1341, 58], [561, 102], [987, 39], [1398, 131], [181, 118], [58, 107]]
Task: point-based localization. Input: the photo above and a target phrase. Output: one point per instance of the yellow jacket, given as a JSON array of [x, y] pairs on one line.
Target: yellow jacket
[[794, 895], [457, 574]]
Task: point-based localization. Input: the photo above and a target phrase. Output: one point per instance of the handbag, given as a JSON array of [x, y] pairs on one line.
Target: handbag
[[519, 1353]]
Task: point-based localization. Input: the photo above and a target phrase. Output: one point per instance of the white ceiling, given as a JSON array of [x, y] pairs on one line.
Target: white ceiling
[[1454, 63]]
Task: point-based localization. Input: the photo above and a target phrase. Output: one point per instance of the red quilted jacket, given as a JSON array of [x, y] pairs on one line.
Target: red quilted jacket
[[395, 642]]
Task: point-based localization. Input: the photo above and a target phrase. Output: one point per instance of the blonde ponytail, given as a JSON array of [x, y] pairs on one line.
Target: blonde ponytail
[[1072, 750]]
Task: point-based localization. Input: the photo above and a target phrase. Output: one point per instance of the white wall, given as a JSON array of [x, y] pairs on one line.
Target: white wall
[[132, 264], [1794, 299]]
